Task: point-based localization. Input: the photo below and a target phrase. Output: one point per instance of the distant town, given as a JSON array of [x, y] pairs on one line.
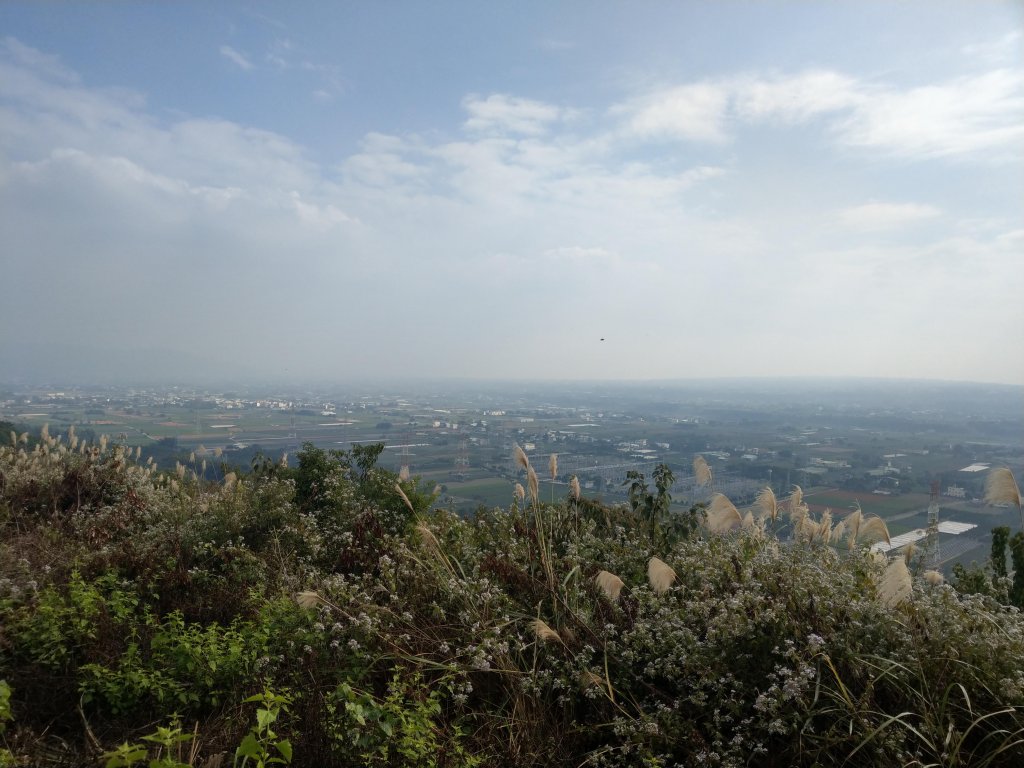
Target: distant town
[[892, 447]]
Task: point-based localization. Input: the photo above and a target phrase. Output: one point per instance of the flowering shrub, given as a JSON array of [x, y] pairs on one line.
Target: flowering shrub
[[544, 634]]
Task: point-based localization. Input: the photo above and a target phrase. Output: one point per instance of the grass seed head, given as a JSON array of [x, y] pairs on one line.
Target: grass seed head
[[660, 575], [609, 583], [533, 483], [308, 599], [1001, 488], [544, 633], [722, 515], [701, 471], [520, 457], [896, 583]]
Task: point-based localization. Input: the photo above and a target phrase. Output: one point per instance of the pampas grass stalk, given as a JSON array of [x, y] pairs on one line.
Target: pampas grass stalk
[[520, 457], [768, 504], [853, 523], [722, 515], [533, 484], [660, 575], [896, 585], [874, 529], [609, 583], [701, 471], [838, 531], [309, 599], [574, 488], [543, 632], [404, 498], [520, 492], [1001, 488]]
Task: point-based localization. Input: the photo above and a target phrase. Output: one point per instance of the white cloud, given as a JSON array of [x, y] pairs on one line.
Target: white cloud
[[518, 229], [502, 114], [1004, 50], [693, 112], [881, 216], [961, 116], [965, 115], [235, 57], [795, 98]]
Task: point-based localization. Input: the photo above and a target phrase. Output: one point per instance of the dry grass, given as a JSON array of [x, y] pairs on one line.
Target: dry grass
[[532, 483], [553, 466], [404, 498], [722, 515], [874, 529], [544, 633], [660, 576], [520, 457], [701, 471], [574, 488], [896, 584], [1001, 488], [609, 583], [309, 599], [767, 504]]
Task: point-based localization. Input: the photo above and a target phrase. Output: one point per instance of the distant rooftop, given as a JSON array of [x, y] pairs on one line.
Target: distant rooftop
[[975, 468]]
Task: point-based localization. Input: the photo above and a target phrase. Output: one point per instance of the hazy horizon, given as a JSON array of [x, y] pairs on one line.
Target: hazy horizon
[[537, 192]]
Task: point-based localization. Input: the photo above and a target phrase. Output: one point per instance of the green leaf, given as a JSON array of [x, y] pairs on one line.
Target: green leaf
[[284, 746]]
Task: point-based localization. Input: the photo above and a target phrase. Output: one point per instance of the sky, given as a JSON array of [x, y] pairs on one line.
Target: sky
[[536, 190]]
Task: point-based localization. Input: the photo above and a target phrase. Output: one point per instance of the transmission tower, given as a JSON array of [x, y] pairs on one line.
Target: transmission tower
[[931, 557], [461, 462]]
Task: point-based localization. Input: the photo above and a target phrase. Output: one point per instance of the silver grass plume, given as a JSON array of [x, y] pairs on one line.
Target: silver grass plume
[[308, 599], [824, 532], [768, 504], [520, 492], [403, 473], [543, 632], [553, 466], [574, 488], [660, 575], [520, 457], [838, 531], [853, 523], [1001, 488], [405, 498], [874, 529], [908, 553], [590, 679], [896, 583], [722, 515], [609, 583], [533, 484], [701, 471], [934, 578]]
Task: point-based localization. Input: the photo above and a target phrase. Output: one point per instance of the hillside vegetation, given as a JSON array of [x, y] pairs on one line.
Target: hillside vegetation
[[328, 615]]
